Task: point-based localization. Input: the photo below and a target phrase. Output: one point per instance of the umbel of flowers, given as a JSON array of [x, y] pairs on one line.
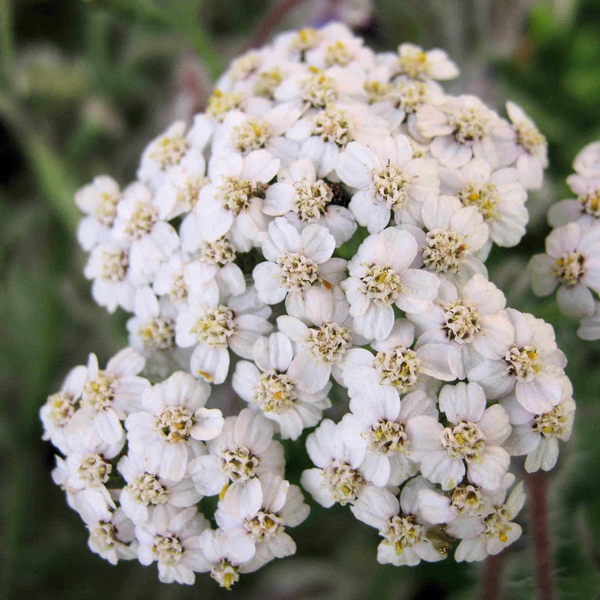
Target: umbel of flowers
[[571, 262], [327, 219]]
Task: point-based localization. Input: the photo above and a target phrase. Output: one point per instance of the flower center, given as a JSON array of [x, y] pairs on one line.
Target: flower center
[[251, 135], [409, 95], [529, 137], [235, 193], [482, 195], [93, 469], [263, 525], [146, 489], [400, 368], [106, 210], [465, 440], [225, 574], [220, 103], [470, 124], [239, 463], [569, 268], [216, 327], [319, 89], [306, 39], [99, 393], [245, 66], [115, 264], [157, 334], [179, 290], [168, 549], [591, 203], [311, 199], [219, 252], [189, 192], [141, 221], [169, 150], [524, 363], [103, 536], [344, 482], [553, 423], [387, 436], [390, 184], [377, 91], [467, 499], [267, 82], [174, 424], [461, 321], [382, 284], [413, 63], [403, 532], [274, 392], [333, 125], [445, 250], [338, 54], [328, 343], [297, 272], [62, 408], [497, 524]]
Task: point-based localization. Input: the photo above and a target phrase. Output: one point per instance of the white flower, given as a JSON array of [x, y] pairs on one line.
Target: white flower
[[324, 134], [108, 396], [585, 209], [108, 267], [338, 46], [416, 63], [99, 201], [170, 148], [455, 234], [304, 199], [227, 554], [232, 202], [498, 196], [244, 449], [587, 162], [464, 128], [532, 147], [380, 421], [474, 436], [144, 490], [407, 537], [172, 539], [499, 530], [532, 365], [172, 424], [214, 328], [396, 366], [283, 388], [338, 477], [537, 435], [388, 179], [473, 324], [60, 408], [272, 506], [138, 223], [298, 267], [113, 539], [380, 277], [170, 281], [572, 260]]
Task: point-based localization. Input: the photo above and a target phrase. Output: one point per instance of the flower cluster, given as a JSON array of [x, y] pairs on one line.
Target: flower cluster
[[572, 258], [326, 220]]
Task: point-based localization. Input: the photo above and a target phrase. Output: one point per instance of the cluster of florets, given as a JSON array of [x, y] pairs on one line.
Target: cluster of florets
[[572, 258], [327, 219]]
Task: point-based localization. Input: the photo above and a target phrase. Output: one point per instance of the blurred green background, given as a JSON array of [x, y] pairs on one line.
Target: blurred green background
[[84, 85]]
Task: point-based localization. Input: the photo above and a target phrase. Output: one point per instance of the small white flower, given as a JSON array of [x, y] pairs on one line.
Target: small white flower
[[113, 539], [387, 179], [171, 538], [407, 537], [380, 276], [99, 201], [172, 424], [280, 387], [170, 281], [585, 209], [416, 63], [587, 162], [474, 436], [572, 260]]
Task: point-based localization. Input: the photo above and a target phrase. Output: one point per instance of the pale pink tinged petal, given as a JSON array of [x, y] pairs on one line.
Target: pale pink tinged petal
[[208, 424], [493, 376], [522, 440], [540, 394], [376, 468], [243, 498], [435, 507], [313, 482], [375, 506], [488, 471], [424, 433], [438, 467], [495, 336], [463, 402], [436, 361], [495, 425]]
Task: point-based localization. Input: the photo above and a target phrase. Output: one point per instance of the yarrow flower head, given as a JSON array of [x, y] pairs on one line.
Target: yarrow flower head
[[306, 261]]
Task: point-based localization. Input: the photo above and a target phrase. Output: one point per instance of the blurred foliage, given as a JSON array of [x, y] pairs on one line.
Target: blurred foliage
[[83, 87]]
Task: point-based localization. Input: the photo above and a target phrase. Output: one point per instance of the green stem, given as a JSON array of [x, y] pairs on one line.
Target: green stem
[[7, 41]]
